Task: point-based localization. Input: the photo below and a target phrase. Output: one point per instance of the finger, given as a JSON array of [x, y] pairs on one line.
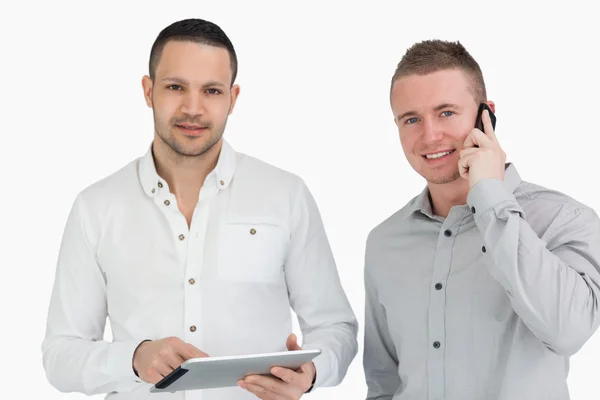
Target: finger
[[468, 151], [174, 360], [257, 390], [286, 375], [309, 368], [154, 377], [292, 343], [268, 383], [487, 126], [477, 139], [164, 369], [463, 166]]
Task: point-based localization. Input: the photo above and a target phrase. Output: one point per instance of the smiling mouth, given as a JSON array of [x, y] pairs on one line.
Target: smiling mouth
[[435, 156]]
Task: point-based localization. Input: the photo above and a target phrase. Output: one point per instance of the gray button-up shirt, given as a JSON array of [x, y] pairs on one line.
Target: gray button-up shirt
[[486, 304]]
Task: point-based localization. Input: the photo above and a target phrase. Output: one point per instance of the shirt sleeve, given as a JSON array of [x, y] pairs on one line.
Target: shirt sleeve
[[380, 361], [316, 295], [553, 282], [75, 356]]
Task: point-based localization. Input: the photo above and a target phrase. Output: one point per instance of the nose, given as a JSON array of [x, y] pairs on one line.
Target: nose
[[432, 132], [193, 103]]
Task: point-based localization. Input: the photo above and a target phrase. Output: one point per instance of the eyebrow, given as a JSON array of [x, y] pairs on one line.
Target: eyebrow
[[437, 108], [185, 83]]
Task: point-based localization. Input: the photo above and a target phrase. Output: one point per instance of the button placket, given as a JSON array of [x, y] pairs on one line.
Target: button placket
[[437, 304], [194, 239]]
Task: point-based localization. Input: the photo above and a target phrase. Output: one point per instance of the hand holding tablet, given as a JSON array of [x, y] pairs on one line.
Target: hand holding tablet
[[251, 371]]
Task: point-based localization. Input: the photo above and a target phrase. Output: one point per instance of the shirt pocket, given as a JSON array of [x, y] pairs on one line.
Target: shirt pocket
[[251, 250]]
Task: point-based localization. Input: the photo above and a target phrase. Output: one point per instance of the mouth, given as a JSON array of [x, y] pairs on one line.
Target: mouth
[[438, 155], [192, 129]]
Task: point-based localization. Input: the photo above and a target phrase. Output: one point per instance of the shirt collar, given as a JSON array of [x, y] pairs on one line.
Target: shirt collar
[[223, 172], [422, 202]]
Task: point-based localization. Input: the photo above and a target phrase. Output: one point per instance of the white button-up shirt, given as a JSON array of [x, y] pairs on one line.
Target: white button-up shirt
[[256, 247]]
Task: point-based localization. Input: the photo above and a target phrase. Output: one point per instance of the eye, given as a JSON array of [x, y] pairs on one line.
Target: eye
[[174, 87], [213, 91], [411, 121], [447, 113]]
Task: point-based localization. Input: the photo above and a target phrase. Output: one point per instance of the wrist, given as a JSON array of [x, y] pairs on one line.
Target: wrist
[[314, 379], [133, 358]]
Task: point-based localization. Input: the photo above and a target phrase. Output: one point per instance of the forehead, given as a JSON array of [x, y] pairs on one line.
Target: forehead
[[194, 62], [427, 91]]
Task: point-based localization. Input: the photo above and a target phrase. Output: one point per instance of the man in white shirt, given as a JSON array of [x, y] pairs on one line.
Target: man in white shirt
[[194, 250]]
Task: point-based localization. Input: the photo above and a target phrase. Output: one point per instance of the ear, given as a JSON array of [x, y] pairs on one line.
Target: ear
[[147, 86], [235, 92], [492, 106]]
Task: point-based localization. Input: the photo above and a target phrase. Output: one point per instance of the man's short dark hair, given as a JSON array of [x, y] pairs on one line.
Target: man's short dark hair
[[192, 30]]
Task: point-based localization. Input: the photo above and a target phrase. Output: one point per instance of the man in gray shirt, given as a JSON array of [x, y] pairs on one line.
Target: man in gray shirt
[[483, 285]]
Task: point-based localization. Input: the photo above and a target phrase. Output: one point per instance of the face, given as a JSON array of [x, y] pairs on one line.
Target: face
[[434, 113], [191, 96]]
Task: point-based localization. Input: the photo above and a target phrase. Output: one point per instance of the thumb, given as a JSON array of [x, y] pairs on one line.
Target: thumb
[[292, 343]]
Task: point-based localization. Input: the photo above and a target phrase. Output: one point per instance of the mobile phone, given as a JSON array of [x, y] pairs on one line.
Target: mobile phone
[[479, 123]]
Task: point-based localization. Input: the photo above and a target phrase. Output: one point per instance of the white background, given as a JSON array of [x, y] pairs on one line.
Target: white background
[[314, 100]]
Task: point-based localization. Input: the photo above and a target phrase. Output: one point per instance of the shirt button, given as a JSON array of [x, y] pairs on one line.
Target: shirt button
[[483, 249], [192, 281], [252, 231], [153, 190], [167, 202], [222, 183], [438, 286], [448, 233], [473, 210], [159, 184], [193, 328], [181, 237], [436, 344]]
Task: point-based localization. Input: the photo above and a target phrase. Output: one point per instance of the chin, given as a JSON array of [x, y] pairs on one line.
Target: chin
[[441, 180], [441, 177]]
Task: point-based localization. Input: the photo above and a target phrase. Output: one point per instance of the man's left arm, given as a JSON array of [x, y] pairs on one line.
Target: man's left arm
[[554, 281], [316, 295], [326, 318]]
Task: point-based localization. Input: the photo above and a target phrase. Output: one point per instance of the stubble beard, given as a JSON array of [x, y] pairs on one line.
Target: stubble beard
[[443, 179], [178, 148]]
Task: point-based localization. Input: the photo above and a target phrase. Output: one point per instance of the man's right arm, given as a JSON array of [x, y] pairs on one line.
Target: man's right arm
[[379, 356], [75, 356]]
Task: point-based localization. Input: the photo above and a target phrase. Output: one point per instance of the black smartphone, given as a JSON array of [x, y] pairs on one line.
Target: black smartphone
[[479, 123]]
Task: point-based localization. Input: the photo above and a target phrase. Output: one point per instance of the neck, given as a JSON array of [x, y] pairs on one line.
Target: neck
[[185, 175], [447, 195]]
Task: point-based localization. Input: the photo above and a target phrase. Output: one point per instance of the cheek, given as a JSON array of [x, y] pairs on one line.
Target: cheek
[[409, 149], [219, 110], [163, 105], [459, 130], [166, 108], [409, 142]]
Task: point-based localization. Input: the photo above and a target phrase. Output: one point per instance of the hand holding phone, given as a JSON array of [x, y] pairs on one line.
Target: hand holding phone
[[482, 157]]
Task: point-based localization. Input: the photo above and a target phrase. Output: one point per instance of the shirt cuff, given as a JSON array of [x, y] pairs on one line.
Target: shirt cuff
[[120, 360], [489, 194], [322, 365]]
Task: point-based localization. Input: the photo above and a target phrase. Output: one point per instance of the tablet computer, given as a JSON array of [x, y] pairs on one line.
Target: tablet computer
[[218, 372]]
